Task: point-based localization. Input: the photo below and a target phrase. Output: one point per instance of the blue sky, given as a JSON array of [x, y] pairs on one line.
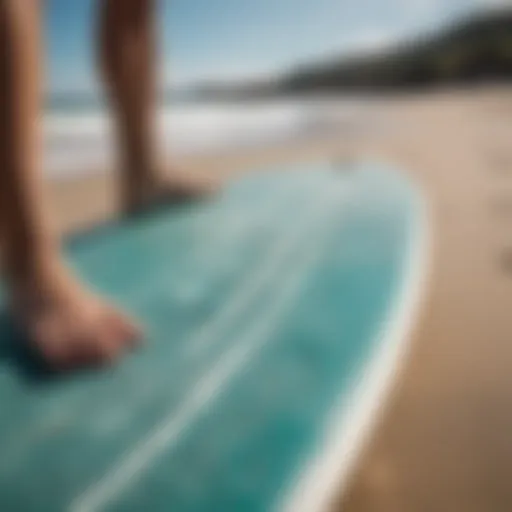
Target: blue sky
[[226, 39]]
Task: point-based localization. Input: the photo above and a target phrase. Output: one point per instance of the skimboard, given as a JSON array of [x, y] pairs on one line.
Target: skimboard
[[276, 315]]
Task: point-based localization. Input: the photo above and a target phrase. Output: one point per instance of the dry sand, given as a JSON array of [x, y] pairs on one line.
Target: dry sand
[[445, 440]]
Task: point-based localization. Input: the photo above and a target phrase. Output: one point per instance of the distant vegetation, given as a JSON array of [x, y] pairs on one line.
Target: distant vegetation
[[475, 49]]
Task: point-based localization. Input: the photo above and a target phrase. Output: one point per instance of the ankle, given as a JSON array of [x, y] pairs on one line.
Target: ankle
[[136, 187], [38, 268]]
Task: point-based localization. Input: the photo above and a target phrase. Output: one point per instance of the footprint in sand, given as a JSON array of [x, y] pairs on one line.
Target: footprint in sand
[[506, 260], [502, 206], [501, 163]]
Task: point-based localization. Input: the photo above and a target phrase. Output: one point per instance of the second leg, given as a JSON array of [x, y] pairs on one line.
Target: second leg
[[128, 58]]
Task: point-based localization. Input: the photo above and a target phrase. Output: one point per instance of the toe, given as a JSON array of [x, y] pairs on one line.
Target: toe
[[100, 348], [48, 337], [124, 329]]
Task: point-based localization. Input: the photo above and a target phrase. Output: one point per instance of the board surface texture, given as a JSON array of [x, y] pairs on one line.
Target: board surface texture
[[264, 310]]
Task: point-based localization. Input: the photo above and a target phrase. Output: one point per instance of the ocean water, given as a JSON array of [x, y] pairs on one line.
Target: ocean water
[[79, 138]]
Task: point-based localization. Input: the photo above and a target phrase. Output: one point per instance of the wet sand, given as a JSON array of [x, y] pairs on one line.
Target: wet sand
[[444, 442]]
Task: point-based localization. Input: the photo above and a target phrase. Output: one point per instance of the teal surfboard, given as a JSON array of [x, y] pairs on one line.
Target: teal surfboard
[[276, 314]]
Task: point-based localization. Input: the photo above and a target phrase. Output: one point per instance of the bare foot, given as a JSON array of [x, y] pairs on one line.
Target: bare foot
[[167, 189], [69, 326]]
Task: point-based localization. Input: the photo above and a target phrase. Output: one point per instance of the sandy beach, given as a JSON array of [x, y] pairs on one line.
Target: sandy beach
[[444, 441]]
